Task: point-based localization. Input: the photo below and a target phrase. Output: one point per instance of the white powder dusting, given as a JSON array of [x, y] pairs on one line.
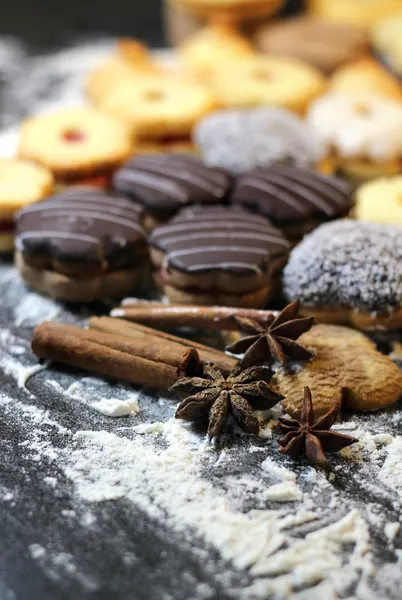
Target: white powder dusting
[[287, 491], [33, 309], [391, 471], [275, 470], [391, 530]]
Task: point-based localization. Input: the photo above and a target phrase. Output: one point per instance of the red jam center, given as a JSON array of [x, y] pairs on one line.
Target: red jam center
[[74, 135]]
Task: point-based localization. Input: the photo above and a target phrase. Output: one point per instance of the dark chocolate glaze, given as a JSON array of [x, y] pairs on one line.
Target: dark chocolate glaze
[[289, 194], [164, 183], [81, 226], [216, 238]]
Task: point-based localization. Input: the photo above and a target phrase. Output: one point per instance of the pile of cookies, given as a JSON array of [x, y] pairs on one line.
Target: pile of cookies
[[246, 170]]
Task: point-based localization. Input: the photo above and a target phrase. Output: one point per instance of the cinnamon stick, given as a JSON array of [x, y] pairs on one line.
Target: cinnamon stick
[[135, 330], [176, 315], [109, 355]]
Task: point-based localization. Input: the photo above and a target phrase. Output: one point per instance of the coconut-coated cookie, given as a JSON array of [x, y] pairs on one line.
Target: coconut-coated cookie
[[210, 255], [348, 272], [380, 201], [243, 139], [273, 80], [21, 183], [164, 183], [295, 200], [76, 143], [81, 245], [346, 366]]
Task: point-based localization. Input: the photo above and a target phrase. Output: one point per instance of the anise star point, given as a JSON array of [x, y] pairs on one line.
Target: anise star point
[[312, 437], [213, 397], [275, 339]]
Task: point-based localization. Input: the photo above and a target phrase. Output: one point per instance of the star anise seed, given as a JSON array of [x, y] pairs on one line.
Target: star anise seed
[[275, 340], [310, 437], [212, 397]]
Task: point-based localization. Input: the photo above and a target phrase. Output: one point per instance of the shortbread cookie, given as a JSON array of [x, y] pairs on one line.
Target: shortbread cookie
[[241, 140], [273, 80], [295, 200], [363, 130], [160, 107], [322, 44], [76, 143], [363, 13], [81, 245], [21, 183], [366, 75], [163, 183], [348, 272], [346, 366], [387, 41], [380, 201], [218, 255]]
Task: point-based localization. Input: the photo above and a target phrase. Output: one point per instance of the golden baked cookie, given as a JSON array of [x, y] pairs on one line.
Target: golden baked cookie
[[363, 130], [217, 44], [21, 183], [380, 201], [76, 143], [160, 106], [238, 9], [346, 366], [263, 80], [322, 44], [358, 12], [131, 60], [366, 75], [387, 41]]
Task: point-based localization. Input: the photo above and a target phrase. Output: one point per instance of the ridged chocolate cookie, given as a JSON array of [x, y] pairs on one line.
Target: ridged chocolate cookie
[[296, 200], [81, 245], [218, 255], [165, 183]]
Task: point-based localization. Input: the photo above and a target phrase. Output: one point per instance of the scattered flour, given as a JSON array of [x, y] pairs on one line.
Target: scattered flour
[[287, 491], [391, 471], [33, 309]]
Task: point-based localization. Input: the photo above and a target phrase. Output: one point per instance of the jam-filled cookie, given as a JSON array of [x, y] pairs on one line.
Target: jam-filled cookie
[[162, 108], [323, 44], [295, 200], [261, 80], [366, 75], [164, 183], [241, 140], [380, 201], [76, 144], [21, 183], [364, 132], [349, 272], [218, 255], [358, 12], [81, 245]]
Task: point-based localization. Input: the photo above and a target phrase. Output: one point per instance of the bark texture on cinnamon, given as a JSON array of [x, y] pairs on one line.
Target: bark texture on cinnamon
[[157, 314], [141, 362], [137, 331]]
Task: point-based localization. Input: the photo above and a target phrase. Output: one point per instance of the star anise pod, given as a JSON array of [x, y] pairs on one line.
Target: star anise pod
[[275, 340], [212, 397], [313, 438]]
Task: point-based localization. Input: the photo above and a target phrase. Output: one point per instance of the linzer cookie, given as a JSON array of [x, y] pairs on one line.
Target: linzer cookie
[[218, 255], [296, 200], [81, 245], [164, 183]]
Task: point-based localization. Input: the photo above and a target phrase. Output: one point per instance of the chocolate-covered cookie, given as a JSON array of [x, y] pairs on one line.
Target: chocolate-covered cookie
[[81, 245], [218, 255], [165, 183], [296, 200]]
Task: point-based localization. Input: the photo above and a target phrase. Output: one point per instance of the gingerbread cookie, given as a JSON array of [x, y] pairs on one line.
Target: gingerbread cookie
[[267, 80], [348, 272], [241, 140], [295, 200], [322, 44], [347, 367], [164, 183], [380, 201], [81, 245], [363, 130], [76, 144], [21, 183], [218, 255]]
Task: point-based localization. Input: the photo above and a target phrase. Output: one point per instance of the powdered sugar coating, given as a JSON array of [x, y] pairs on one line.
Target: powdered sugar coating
[[349, 263], [241, 140]]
